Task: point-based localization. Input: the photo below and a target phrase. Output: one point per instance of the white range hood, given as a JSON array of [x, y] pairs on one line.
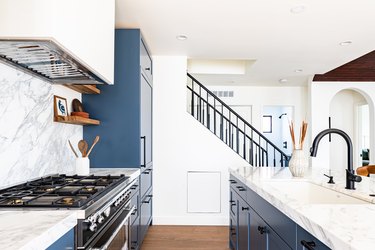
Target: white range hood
[[61, 41]]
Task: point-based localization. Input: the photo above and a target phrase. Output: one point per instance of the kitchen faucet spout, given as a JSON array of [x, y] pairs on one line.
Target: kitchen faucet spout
[[351, 178]]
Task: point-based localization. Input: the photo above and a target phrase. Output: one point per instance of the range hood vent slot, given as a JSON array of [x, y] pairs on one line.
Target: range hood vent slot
[[48, 60]]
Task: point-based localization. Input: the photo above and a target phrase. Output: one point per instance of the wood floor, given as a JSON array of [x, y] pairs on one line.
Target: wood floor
[[186, 237]]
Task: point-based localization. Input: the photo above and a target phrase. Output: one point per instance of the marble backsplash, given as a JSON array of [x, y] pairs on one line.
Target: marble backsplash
[[31, 144]]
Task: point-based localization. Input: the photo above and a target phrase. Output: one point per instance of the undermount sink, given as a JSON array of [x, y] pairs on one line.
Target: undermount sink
[[311, 193]]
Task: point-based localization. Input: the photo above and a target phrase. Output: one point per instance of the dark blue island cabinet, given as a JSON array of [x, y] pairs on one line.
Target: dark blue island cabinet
[[254, 224], [125, 112]]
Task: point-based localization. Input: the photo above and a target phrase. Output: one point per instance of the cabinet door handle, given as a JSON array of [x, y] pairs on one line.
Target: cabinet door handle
[[262, 230], [240, 188], [134, 212], [309, 245], [232, 181], [133, 187], [144, 151], [148, 68], [245, 208], [146, 172], [148, 201]]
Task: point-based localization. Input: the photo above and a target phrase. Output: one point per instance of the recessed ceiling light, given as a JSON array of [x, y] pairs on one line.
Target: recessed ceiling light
[[298, 9], [346, 43], [181, 37], [283, 80], [298, 70]]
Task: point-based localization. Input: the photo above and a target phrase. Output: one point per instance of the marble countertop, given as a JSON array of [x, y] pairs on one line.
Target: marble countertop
[[344, 227], [38, 229]]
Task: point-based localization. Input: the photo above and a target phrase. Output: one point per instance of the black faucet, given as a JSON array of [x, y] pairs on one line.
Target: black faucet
[[351, 178]]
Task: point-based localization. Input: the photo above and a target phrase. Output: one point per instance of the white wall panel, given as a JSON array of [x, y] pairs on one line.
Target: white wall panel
[[204, 192]]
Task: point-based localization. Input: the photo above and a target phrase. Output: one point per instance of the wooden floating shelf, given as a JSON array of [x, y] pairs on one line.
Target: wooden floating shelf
[[84, 89], [77, 120]]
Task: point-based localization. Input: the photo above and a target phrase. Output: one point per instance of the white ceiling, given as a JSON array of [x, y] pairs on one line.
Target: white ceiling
[[262, 30]]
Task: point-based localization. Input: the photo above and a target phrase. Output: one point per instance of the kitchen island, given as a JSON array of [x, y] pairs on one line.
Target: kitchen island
[[40, 228], [348, 225]]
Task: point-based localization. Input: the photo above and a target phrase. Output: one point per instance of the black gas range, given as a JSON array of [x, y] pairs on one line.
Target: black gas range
[[102, 203]]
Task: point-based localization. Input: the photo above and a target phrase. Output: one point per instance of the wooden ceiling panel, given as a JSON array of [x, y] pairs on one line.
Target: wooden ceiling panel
[[361, 69]]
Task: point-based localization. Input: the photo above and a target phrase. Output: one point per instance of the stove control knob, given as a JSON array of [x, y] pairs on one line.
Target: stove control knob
[[93, 227], [92, 218], [117, 202], [100, 219], [107, 212]]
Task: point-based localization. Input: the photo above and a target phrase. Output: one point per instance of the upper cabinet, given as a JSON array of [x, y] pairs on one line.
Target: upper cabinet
[[85, 28]]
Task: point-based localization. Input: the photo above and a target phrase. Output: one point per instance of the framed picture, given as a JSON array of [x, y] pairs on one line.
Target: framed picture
[[267, 124], [60, 106]]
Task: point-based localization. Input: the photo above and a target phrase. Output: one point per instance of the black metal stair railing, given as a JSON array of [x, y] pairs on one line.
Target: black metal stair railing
[[231, 128]]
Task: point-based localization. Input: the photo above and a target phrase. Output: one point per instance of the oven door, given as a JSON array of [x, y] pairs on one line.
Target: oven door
[[117, 235]]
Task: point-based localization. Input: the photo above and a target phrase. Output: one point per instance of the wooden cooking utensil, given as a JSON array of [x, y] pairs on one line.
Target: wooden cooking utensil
[[83, 146], [366, 170], [96, 140], [71, 146], [77, 106]]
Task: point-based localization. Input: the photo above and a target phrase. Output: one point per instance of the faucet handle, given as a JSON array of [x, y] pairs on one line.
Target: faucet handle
[[330, 179], [354, 177]]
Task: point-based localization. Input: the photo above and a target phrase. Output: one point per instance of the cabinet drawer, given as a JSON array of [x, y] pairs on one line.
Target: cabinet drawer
[[232, 233], [238, 186], [145, 215], [233, 203], [280, 223], [134, 188], [304, 237], [146, 62], [134, 243], [146, 181], [135, 202]]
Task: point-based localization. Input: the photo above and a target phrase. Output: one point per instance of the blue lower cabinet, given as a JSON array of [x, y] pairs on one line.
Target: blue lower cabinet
[[145, 216], [306, 241], [134, 241], [64, 243], [258, 238], [243, 224], [257, 225]]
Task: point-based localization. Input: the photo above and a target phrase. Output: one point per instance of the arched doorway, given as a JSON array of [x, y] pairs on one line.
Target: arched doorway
[[350, 112]]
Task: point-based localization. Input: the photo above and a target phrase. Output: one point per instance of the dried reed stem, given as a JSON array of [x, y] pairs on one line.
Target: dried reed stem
[[302, 135]]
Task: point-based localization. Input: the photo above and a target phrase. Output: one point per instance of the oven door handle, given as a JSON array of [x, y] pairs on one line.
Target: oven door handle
[[109, 241]]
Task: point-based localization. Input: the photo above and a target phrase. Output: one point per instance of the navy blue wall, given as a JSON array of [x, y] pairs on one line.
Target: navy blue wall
[[118, 108]]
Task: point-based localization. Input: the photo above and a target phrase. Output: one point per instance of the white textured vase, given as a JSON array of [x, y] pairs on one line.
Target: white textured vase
[[298, 163]]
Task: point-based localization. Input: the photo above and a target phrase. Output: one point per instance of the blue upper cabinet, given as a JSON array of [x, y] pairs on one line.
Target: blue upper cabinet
[[124, 109]]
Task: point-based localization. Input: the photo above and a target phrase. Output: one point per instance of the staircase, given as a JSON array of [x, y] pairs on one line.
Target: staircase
[[231, 128]]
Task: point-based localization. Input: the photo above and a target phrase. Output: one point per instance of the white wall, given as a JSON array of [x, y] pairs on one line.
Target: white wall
[[182, 144], [321, 95], [31, 144], [343, 116], [84, 27]]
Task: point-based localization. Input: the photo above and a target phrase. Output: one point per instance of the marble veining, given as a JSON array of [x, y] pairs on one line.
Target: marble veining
[[31, 144], [342, 227], [34, 229]]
